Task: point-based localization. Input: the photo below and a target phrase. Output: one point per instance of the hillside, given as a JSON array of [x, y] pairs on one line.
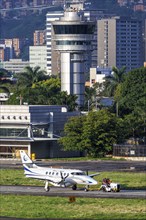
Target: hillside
[[23, 27]]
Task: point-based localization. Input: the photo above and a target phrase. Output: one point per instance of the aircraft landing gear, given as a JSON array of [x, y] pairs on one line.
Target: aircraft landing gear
[[47, 188], [87, 188], [74, 187]]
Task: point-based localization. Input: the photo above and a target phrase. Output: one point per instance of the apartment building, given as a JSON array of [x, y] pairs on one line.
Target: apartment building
[[38, 57], [39, 37], [120, 42]]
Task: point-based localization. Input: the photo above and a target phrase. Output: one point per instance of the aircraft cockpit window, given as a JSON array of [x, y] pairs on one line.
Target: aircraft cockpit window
[[78, 173], [64, 174]]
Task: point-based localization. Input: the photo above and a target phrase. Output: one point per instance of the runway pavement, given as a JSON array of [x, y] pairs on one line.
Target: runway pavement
[[93, 165], [67, 192]]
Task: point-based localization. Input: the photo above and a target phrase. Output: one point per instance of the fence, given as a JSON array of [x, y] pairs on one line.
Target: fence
[[129, 150]]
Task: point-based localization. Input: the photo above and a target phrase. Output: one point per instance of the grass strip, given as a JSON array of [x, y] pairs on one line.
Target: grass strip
[[82, 208]]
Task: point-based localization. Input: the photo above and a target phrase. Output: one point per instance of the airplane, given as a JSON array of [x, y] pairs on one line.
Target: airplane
[[56, 176]]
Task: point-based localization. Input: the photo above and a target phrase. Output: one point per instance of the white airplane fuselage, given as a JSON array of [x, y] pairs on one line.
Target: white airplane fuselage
[[55, 176]]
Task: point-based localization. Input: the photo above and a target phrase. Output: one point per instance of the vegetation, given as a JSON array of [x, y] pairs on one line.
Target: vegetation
[[60, 208], [113, 85], [95, 133], [36, 88], [45, 207]]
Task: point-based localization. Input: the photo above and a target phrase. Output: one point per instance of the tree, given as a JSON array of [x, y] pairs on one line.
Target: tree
[[99, 133], [93, 96], [113, 84], [4, 81], [133, 91], [93, 134], [90, 94], [45, 92], [73, 134], [134, 125], [31, 76]]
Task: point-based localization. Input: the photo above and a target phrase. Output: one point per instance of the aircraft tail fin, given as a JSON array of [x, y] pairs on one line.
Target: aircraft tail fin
[[25, 158]]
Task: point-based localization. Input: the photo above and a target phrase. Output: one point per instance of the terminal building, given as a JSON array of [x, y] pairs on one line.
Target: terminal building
[[35, 129]]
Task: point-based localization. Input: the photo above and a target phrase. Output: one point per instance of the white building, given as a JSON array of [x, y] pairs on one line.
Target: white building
[[15, 65], [98, 74], [50, 17], [38, 57]]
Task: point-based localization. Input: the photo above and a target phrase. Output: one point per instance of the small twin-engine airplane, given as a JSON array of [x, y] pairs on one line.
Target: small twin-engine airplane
[[55, 176]]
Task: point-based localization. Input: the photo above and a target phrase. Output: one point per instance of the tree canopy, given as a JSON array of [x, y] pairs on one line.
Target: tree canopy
[[34, 87], [94, 133], [133, 91]]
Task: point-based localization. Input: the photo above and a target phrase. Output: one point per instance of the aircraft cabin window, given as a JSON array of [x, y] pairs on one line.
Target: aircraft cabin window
[[49, 173], [53, 173]]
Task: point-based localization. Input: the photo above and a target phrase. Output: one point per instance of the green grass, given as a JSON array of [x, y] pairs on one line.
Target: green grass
[[109, 157], [128, 180], [82, 208]]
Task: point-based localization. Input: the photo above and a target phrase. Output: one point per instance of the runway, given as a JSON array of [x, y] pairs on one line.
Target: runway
[[67, 192]]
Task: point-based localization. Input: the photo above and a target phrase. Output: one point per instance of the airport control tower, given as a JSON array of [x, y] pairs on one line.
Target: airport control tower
[[72, 38]]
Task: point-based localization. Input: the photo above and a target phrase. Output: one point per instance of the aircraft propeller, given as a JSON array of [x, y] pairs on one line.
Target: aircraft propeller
[[63, 178]]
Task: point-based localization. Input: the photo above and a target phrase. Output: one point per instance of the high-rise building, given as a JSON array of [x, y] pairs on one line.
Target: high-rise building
[[38, 56], [50, 17], [39, 37], [17, 44], [72, 39], [6, 50], [120, 43]]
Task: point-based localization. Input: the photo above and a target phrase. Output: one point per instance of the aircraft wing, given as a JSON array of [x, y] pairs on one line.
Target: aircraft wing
[[43, 177], [94, 174], [53, 180]]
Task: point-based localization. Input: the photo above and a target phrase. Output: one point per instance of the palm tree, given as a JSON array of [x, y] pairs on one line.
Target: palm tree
[[3, 74], [31, 75], [113, 84]]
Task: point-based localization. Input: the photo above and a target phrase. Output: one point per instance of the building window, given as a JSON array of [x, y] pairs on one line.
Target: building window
[[13, 132], [73, 29]]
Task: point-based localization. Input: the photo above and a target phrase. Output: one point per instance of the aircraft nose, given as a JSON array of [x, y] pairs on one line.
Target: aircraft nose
[[92, 181]]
